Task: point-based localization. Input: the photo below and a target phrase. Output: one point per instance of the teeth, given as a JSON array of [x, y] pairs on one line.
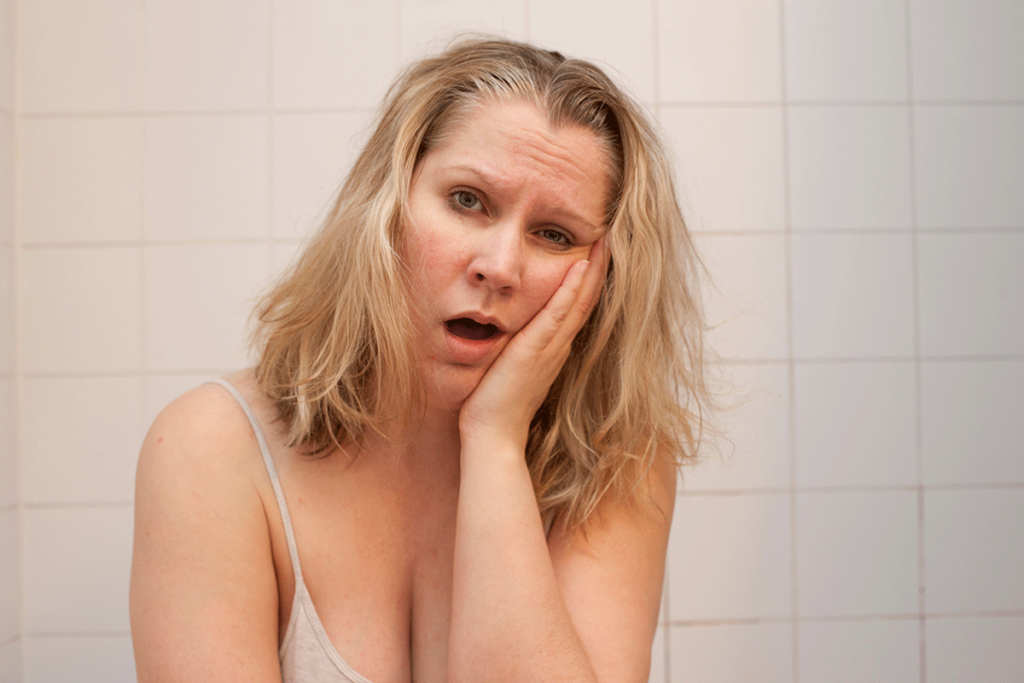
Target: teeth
[[471, 329]]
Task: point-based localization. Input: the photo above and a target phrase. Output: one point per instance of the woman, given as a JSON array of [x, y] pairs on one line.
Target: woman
[[456, 457]]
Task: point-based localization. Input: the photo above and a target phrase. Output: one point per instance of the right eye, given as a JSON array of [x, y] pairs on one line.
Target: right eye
[[466, 200]]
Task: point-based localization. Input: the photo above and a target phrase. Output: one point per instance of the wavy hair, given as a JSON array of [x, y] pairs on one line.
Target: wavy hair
[[333, 335]]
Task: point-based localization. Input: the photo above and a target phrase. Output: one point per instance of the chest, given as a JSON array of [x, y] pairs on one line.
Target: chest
[[376, 559]]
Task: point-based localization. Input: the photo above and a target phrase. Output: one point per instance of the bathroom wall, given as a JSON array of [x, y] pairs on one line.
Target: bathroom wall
[[851, 169], [10, 545]]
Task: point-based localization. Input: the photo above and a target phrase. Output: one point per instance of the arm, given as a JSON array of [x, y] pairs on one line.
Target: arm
[[203, 586], [573, 607]]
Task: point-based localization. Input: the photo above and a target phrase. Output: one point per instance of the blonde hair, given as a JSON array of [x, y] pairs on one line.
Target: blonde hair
[[334, 333]]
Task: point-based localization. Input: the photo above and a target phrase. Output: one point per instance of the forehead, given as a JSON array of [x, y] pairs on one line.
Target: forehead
[[513, 145]]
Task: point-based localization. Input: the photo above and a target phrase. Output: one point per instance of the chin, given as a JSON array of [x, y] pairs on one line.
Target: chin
[[449, 388]]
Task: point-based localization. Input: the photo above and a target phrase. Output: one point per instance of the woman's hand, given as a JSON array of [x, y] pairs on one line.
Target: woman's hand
[[513, 388]]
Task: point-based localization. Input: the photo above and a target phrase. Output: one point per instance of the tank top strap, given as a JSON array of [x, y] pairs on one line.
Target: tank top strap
[[282, 505]]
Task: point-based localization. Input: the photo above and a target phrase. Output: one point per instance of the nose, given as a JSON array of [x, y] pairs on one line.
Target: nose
[[497, 260]]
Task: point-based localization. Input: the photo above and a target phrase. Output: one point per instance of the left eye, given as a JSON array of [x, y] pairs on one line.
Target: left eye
[[554, 236], [467, 200]]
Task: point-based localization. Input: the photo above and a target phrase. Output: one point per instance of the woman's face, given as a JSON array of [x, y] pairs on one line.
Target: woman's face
[[498, 212]]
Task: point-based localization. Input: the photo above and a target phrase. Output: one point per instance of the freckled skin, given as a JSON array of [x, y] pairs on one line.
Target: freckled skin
[[498, 212]]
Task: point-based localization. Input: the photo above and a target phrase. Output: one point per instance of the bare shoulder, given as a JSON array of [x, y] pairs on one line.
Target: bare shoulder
[[203, 589]]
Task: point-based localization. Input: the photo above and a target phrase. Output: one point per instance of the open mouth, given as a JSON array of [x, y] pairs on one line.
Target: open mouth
[[466, 328]]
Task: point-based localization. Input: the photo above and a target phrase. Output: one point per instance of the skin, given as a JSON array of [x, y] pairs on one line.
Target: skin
[[425, 555]]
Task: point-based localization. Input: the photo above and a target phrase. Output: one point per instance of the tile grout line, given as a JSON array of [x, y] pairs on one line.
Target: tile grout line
[[916, 289], [790, 346], [666, 641], [19, 10]]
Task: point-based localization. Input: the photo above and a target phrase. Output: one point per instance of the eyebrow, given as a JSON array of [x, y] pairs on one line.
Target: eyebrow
[[563, 212]]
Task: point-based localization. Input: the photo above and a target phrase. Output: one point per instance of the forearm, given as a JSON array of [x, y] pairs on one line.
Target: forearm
[[509, 621]]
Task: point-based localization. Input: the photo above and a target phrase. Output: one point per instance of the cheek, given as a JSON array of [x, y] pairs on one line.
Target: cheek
[[542, 283]]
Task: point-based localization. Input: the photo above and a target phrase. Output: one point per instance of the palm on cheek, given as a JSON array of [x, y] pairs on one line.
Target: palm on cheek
[[515, 385]]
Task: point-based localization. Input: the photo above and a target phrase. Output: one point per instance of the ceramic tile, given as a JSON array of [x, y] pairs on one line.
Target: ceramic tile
[[857, 553], [974, 550], [715, 51], [282, 256], [746, 302], [91, 458], [87, 659], [855, 424], [312, 154], [729, 166], [8, 445], [615, 35], [7, 298], [8, 29], [968, 163], [849, 167], [80, 310], [427, 26], [826, 54], [333, 53], [80, 56], [97, 165], [730, 557], [7, 186], [77, 564], [967, 49], [852, 296], [752, 451], [971, 292], [198, 323], [10, 662], [727, 653], [226, 63], [10, 576], [974, 649], [207, 178], [860, 651], [970, 422]]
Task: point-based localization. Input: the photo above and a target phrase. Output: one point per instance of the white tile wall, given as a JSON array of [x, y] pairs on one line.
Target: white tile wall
[[859, 237], [92, 658], [972, 294], [746, 299], [10, 577], [715, 51], [91, 458], [8, 454], [860, 651], [312, 154], [752, 451], [77, 562], [730, 558], [974, 550], [330, 53], [849, 167], [968, 163], [853, 296], [855, 424], [658, 670], [970, 422], [206, 178], [81, 56], [731, 166], [826, 59], [198, 300], [723, 653], [426, 26], [967, 49], [81, 180], [974, 649], [7, 177], [856, 553], [80, 310], [225, 65]]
